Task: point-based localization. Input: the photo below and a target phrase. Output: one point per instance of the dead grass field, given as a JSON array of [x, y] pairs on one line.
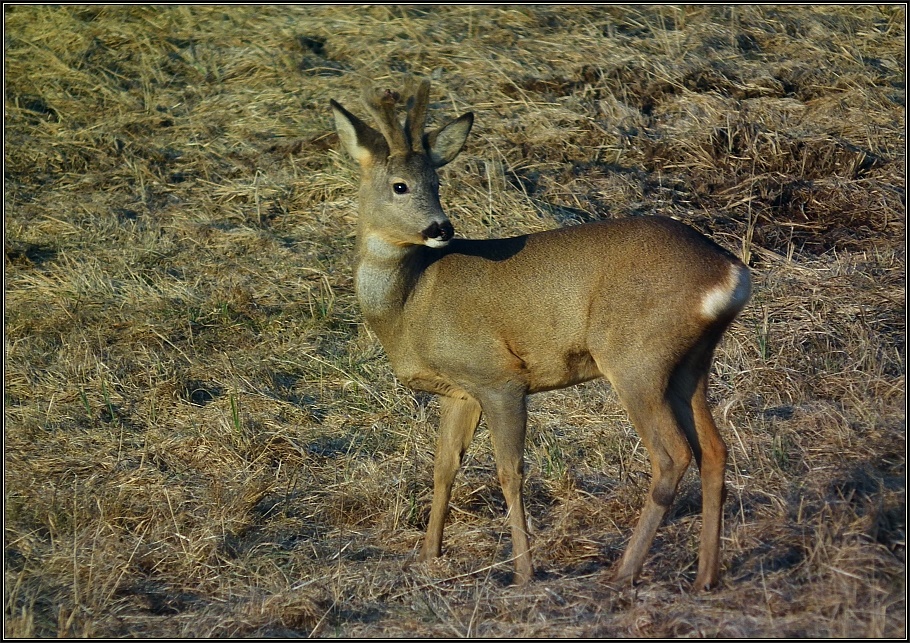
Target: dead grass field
[[202, 439]]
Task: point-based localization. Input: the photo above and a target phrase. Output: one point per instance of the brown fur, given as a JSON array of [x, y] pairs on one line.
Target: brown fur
[[484, 323]]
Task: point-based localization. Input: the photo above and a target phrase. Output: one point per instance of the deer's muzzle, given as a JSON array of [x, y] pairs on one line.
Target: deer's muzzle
[[438, 234]]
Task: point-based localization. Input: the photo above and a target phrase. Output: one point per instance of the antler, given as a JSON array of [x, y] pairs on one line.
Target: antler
[[417, 115], [382, 107]]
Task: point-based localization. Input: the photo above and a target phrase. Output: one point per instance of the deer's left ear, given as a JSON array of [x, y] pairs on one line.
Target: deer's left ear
[[361, 141], [444, 144]]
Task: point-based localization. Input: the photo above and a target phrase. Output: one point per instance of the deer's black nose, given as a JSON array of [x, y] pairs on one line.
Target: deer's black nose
[[439, 231]]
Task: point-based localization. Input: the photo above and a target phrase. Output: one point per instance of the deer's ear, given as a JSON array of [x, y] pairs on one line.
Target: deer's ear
[[444, 144], [362, 142]]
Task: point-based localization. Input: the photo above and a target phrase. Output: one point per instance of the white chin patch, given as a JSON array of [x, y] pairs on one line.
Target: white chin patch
[[436, 243]]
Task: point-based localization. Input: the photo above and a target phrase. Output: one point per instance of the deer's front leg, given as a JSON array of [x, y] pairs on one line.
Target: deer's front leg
[[507, 419], [458, 421]]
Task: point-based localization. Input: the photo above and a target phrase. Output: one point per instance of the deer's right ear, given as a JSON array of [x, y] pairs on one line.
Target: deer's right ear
[[445, 144], [360, 140]]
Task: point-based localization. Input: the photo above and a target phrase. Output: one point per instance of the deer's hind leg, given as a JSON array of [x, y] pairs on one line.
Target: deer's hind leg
[[689, 396], [642, 389], [712, 463]]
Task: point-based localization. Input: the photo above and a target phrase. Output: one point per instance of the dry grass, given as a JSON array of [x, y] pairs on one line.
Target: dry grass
[[202, 439]]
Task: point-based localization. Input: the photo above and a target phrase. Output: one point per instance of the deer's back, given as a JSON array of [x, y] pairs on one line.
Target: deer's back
[[538, 301]]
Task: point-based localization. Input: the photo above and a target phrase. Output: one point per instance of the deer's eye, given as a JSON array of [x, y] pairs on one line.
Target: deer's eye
[[400, 188]]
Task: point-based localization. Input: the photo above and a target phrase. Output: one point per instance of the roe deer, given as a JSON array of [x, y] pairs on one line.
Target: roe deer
[[641, 301]]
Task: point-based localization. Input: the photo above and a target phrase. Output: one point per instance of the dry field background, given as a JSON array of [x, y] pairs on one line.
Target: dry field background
[[203, 439]]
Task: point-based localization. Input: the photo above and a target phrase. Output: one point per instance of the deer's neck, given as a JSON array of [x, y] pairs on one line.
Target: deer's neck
[[385, 276]]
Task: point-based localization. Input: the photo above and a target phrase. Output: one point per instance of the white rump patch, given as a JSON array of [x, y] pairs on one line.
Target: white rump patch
[[728, 296]]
